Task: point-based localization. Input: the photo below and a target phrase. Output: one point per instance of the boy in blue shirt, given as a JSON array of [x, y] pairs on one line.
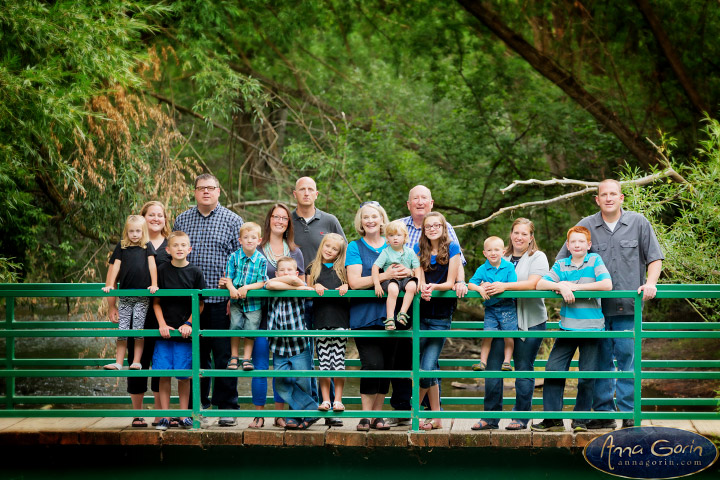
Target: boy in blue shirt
[[580, 271], [246, 270], [500, 313]]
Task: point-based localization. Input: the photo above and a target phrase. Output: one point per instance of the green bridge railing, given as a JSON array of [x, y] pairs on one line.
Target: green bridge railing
[[21, 405]]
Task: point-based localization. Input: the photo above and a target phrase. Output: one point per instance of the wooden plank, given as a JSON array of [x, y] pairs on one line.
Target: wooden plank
[[710, 428], [682, 424], [346, 436], [60, 424], [9, 422], [461, 435], [114, 424], [439, 437]]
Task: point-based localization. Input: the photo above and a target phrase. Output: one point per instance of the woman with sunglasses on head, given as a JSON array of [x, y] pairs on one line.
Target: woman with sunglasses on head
[[278, 241], [369, 314]]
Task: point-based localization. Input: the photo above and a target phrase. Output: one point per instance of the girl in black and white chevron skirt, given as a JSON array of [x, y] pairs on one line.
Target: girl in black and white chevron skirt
[[327, 272]]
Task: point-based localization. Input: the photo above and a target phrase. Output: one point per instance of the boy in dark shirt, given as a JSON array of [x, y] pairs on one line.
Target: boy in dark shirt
[[175, 313]]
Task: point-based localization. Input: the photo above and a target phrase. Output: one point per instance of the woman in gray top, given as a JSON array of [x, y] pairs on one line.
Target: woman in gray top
[[530, 265]]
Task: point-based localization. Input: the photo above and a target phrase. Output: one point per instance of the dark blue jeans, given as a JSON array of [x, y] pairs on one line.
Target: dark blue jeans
[[559, 361], [622, 350], [261, 361], [295, 391], [430, 348], [524, 356]]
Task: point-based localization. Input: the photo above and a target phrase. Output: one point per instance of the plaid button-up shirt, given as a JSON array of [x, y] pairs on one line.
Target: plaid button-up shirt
[[287, 314], [415, 232], [213, 239], [245, 270]]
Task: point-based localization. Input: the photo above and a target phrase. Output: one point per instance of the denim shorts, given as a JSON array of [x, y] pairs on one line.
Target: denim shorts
[[501, 317], [240, 320], [172, 355]]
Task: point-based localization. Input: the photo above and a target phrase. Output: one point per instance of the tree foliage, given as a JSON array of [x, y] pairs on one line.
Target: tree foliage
[[104, 105]]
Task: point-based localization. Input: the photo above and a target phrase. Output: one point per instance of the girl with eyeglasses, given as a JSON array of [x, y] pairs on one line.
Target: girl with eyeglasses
[[440, 260]]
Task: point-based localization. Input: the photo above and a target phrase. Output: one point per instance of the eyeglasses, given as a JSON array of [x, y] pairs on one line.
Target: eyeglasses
[[278, 218], [205, 189], [434, 226]]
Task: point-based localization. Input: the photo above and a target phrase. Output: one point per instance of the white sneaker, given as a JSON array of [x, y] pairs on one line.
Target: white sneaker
[[398, 422]]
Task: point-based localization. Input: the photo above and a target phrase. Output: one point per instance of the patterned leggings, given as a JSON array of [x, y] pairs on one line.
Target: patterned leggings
[[132, 312], [331, 351]]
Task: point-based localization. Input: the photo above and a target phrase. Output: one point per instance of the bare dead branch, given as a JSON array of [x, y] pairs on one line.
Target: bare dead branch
[[549, 201], [589, 187], [254, 203], [668, 172]]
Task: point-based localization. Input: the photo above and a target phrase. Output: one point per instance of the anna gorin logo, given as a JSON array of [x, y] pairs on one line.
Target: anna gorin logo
[[651, 452]]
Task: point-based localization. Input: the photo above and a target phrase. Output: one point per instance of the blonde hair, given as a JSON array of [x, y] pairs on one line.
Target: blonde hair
[[286, 260], [250, 226], [493, 239], [176, 234], [396, 227], [338, 263], [610, 180], [532, 246], [378, 208], [144, 239], [154, 203]]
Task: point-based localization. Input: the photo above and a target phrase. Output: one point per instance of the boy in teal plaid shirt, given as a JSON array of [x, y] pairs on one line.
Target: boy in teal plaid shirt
[[246, 270]]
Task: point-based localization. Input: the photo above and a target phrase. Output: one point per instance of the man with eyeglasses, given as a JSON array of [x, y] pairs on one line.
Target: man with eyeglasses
[[310, 225], [420, 203], [213, 232]]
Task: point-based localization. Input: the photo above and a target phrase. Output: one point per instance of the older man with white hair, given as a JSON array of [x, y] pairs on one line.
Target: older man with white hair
[[420, 203]]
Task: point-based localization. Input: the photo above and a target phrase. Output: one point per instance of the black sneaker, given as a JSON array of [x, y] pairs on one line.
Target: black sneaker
[[578, 426], [600, 424], [628, 422], [548, 426]]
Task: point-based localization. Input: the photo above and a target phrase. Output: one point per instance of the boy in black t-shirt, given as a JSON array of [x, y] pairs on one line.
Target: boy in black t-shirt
[[175, 313]]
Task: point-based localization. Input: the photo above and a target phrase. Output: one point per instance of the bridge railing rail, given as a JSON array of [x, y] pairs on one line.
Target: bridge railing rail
[[22, 405]]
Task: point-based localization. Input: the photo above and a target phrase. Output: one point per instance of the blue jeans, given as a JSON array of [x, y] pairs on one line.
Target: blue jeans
[[261, 360], [559, 361], [524, 355], [430, 348], [295, 391], [622, 350]]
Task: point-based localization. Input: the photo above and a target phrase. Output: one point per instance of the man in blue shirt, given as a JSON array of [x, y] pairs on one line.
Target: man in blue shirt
[[214, 232]]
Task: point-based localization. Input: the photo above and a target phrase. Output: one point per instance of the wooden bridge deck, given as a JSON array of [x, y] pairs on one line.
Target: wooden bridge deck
[[456, 433]]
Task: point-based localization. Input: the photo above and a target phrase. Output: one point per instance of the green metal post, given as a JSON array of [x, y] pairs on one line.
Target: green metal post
[[9, 352], [195, 336], [415, 402], [637, 382]]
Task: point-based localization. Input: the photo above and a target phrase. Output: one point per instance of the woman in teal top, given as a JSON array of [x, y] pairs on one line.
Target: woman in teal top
[[368, 314]]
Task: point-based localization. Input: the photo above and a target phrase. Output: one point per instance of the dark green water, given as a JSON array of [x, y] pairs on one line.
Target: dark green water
[[221, 463]]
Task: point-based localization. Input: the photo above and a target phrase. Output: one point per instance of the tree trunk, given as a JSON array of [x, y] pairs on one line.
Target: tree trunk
[[672, 56], [547, 67]]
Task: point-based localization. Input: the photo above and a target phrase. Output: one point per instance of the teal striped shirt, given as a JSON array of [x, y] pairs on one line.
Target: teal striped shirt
[[585, 313]]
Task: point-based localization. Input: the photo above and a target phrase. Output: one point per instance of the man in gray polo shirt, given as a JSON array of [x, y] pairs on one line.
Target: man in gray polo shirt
[[310, 225], [627, 244]]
